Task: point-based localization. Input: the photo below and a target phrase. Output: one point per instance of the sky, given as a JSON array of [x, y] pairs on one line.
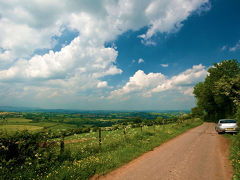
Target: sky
[[112, 54]]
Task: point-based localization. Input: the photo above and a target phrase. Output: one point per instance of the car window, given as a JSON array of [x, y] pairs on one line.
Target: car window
[[227, 121]]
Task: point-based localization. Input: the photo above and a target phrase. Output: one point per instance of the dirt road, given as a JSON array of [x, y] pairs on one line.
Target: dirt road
[[197, 154]]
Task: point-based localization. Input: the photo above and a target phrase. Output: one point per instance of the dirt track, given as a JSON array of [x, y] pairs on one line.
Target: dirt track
[[197, 154]]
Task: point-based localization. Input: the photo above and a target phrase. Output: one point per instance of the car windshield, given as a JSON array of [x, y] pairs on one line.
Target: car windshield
[[227, 121]]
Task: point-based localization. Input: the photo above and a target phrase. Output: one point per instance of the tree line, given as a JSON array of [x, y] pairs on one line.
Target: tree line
[[218, 96]]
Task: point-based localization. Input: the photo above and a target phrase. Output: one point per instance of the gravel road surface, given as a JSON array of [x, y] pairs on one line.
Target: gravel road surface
[[198, 154]]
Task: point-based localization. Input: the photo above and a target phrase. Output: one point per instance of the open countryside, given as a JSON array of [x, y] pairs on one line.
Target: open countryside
[[122, 89], [83, 145], [55, 146]]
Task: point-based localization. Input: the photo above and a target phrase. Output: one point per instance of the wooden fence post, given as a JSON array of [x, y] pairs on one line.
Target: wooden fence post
[[124, 131], [62, 145], [141, 126], [154, 127], [100, 136]]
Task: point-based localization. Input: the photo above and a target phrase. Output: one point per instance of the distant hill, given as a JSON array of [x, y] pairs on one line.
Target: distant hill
[[33, 109], [36, 109]]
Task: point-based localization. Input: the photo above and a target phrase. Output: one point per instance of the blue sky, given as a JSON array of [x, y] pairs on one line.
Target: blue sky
[[112, 55]]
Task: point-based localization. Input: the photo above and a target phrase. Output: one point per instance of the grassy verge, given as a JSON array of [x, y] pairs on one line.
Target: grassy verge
[[85, 159], [235, 154]]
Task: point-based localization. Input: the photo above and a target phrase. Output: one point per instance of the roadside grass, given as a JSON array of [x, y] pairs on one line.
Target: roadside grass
[[85, 159], [235, 154]]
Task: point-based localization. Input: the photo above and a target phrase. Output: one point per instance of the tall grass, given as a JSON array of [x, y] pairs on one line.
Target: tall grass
[[235, 154]]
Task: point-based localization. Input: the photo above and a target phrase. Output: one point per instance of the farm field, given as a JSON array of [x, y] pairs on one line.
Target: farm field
[[18, 120], [14, 128], [57, 122]]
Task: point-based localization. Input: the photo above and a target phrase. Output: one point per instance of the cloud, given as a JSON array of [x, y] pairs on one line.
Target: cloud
[[26, 26], [21, 40], [235, 47], [140, 61], [102, 84], [224, 48], [147, 84], [139, 82], [167, 16], [5, 58], [69, 61], [164, 65]]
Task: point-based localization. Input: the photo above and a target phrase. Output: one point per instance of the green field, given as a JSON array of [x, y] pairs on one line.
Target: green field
[[18, 120], [19, 124], [14, 128]]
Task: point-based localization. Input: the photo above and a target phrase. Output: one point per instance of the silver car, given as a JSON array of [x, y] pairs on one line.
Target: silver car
[[226, 125]]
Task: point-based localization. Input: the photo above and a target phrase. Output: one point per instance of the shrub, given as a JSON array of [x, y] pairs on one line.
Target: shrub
[[25, 151], [238, 115]]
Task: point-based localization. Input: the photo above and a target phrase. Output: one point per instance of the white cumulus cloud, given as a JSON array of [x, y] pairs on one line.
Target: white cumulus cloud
[[146, 84], [139, 82]]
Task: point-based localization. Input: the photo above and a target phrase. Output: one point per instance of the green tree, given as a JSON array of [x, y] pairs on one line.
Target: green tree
[[159, 120], [137, 120], [197, 112], [219, 94], [238, 114]]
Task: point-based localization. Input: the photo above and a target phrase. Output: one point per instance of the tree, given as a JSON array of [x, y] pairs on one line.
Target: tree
[[159, 120], [237, 116], [197, 112], [137, 120], [219, 94]]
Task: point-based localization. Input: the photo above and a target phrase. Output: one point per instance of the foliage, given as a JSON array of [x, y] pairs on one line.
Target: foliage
[[238, 115], [197, 112], [22, 152], [219, 95]]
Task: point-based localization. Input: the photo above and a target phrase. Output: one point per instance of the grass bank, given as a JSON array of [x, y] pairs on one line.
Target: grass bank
[[235, 154]]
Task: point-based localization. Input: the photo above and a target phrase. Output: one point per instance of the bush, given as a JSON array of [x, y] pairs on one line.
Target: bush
[[25, 152], [238, 115]]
